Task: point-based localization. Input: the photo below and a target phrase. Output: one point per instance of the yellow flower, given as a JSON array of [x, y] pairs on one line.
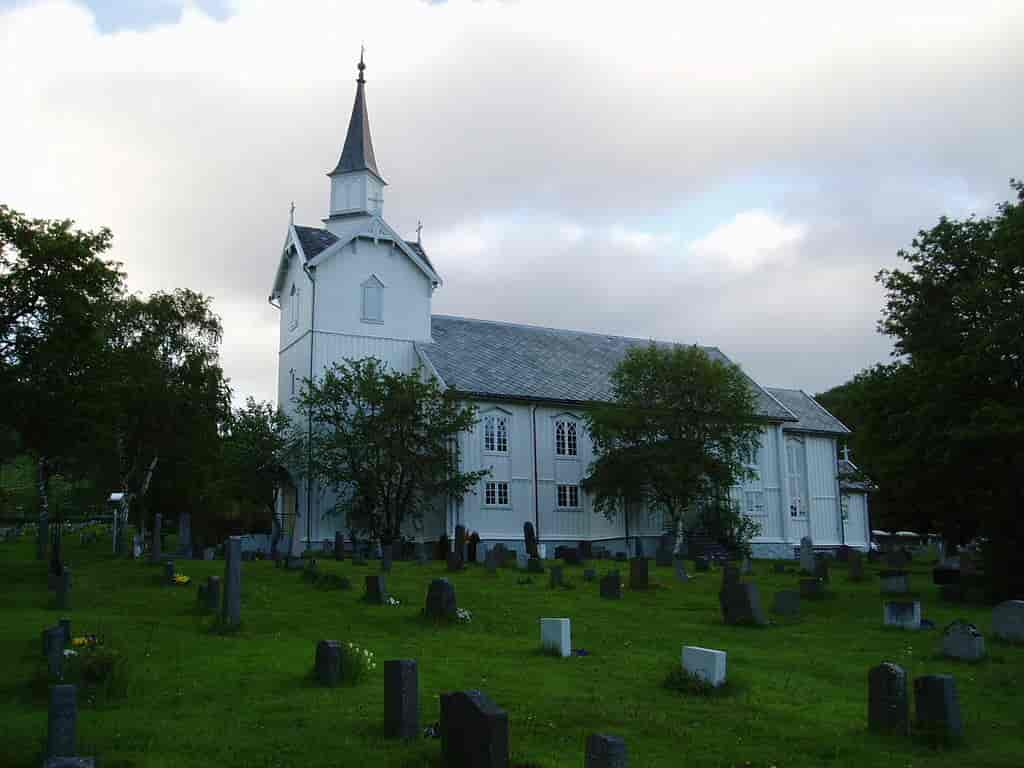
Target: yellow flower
[[78, 642]]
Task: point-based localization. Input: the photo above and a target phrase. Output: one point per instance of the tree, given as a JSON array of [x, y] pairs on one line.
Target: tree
[[676, 436], [957, 317], [56, 300], [385, 442]]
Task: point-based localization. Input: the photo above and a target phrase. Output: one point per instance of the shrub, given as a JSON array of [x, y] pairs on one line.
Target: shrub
[[100, 671], [356, 662]]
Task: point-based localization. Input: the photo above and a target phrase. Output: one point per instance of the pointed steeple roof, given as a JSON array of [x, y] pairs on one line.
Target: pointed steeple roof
[[357, 154]]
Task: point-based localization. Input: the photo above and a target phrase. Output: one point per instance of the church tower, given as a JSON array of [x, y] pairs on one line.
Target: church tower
[[356, 184]]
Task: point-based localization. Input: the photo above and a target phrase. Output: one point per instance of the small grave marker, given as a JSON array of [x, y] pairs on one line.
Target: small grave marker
[[376, 589], [605, 752], [639, 572], [401, 699], [556, 577], [328, 662], [231, 605], [706, 664], [441, 603], [213, 594], [938, 706], [474, 731], [807, 555], [888, 703], [741, 604], [62, 723], [812, 589], [905, 614], [556, 635], [961, 640], [611, 586], [1008, 621]]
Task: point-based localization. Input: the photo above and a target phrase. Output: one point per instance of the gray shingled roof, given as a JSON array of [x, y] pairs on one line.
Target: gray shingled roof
[[417, 248], [357, 154], [848, 477], [314, 240], [812, 416], [504, 360]]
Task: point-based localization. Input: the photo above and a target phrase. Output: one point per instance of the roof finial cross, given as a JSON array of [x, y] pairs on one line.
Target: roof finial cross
[[361, 66], [291, 213], [419, 231], [846, 452]]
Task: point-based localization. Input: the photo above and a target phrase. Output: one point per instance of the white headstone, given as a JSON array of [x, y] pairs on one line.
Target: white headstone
[[705, 663], [902, 614], [542, 551], [806, 554], [1008, 621], [556, 635]]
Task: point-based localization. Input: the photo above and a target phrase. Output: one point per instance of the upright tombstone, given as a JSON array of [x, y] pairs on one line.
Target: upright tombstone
[[530, 537], [472, 545], [213, 594], [1008, 621], [556, 577], [169, 573], [905, 614], [605, 751], [855, 565], [821, 568], [888, 703], [231, 608], [156, 553], [339, 546], [786, 603], [556, 636], [401, 699], [53, 646], [185, 535], [474, 731], [730, 575], [327, 663], [65, 627], [460, 541], [491, 561], [639, 573], [938, 706], [376, 589], [441, 603], [386, 556], [586, 550], [706, 664], [962, 640], [680, 570], [806, 555], [62, 722], [812, 589], [64, 589], [454, 562], [611, 586], [209, 553], [894, 582], [741, 604]]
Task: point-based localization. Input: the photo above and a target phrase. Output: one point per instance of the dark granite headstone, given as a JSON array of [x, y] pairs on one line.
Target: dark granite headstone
[[786, 603], [401, 699], [472, 545], [376, 589], [328, 662], [639, 573], [938, 707], [843, 553], [64, 589], [491, 562], [730, 575], [741, 604], [62, 723], [556, 576], [855, 565], [339, 546], [53, 639], [454, 561], [169, 573], [888, 704], [605, 752], [821, 569], [441, 603], [460, 542], [534, 565], [65, 625], [530, 536], [185, 535], [474, 731], [812, 589], [571, 556], [611, 586], [213, 594], [387, 553], [231, 604], [586, 550]]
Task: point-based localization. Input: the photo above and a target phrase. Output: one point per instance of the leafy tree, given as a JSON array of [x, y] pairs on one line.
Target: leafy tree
[[957, 316], [676, 436], [385, 442], [56, 299]]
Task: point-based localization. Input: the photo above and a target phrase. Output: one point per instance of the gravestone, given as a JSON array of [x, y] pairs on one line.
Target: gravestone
[[812, 589], [45, 636], [472, 545], [855, 565], [138, 546], [730, 575], [556, 635], [938, 707], [741, 604], [821, 568], [680, 569], [460, 542], [327, 663], [894, 582], [701, 564], [961, 640], [556, 577], [474, 731], [209, 553], [1008, 621], [843, 553], [589, 574], [213, 594], [807, 555], [586, 550], [339, 546], [888, 702], [169, 573], [65, 626], [62, 722], [491, 562], [454, 562], [664, 554], [571, 556], [231, 605], [185, 535], [64, 589], [386, 557], [706, 664], [905, 614], [421, 553], [534, 565], [530, 537], [786, 603], [639, 573], [53, 639], [611, 586], [778, 567], [155, 554], [401, 699], [376, 589], [638, 548], [605, 751], [441, 603]]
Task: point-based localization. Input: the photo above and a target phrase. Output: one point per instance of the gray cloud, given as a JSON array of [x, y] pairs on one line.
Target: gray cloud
[[568, 161]]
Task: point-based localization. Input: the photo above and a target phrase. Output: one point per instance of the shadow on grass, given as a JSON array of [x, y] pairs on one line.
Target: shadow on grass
[[682, 682]]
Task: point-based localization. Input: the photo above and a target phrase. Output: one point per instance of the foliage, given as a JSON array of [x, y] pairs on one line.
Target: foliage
[[676, 435], [385, 442], [356, 663], [101, 671], [678, 679], [722, 519]]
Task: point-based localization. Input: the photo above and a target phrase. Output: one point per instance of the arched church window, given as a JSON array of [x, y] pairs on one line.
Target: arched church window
[[496, 433], [565, 437], [294, 298], [373, 300]]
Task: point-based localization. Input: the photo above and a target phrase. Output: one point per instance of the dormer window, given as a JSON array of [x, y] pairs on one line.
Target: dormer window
[[565, 437], [294, 299], [373, 300], [496, 433]]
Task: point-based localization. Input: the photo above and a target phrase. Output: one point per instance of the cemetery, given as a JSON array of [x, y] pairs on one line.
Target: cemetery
[[259, 662]]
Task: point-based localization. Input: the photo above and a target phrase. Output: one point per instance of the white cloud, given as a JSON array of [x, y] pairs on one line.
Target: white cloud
[[748, 241]]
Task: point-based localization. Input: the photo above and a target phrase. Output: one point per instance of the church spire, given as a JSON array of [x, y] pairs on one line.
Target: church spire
[[357, 154]]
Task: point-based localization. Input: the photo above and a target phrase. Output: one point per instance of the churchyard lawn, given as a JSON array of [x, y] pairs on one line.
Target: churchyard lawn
[[796, 696]]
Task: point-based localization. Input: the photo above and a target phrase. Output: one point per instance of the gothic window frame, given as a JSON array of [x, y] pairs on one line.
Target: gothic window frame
[[294, 302], [496, 427], [372, 300], [566, 436]]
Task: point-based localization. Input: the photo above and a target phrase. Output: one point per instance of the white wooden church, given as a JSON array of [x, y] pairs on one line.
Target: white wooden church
[[355, 288]]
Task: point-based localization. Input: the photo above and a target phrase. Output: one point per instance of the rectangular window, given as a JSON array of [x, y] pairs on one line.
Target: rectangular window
[[754, 502], [569, 496], [496, 434], [496, 494], [795, 479], [373, 300], [565, 438]]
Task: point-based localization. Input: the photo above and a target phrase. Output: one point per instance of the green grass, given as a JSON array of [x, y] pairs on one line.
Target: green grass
[[797, 694]]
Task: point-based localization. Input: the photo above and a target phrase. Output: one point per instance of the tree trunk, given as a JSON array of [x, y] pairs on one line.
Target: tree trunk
[[43, 487]]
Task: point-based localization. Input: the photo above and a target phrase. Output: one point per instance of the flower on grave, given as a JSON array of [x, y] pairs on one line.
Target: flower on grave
[[68, 653], [392, 601], [86, 641], [180, 578], [463, 616]]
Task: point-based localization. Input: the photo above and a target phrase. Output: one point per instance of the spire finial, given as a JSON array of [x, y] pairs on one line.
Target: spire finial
[[419, 231], [291, 213], [361, 66], [846, 452]]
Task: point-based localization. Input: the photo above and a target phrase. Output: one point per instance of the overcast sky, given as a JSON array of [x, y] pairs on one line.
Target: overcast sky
[[732, 174]]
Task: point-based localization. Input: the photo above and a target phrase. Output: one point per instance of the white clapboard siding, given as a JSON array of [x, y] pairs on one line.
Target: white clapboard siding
[[856, 525], [823, 489]]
